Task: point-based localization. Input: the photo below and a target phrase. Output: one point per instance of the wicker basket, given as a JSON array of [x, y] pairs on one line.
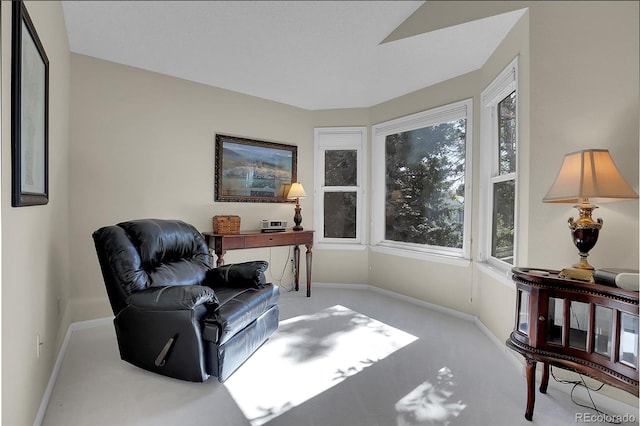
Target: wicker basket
[[226, 224]]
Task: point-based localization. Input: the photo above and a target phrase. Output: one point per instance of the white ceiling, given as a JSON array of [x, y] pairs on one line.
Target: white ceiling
[[309, 54]]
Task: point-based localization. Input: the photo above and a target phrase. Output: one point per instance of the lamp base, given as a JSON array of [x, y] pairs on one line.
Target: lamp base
[[577, 274], [584, 232], [297, 218]]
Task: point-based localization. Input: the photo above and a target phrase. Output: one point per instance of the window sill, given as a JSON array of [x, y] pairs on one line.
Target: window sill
[[336, 246], [501, 275], [431, 257]]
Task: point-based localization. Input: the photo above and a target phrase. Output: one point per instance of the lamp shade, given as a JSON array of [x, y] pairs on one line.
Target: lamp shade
[[296, 191], [589, 176]]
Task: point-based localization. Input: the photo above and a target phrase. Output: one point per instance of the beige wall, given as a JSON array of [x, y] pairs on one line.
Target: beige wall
[[35, 240], [142, 145], [158, 133], [584, 94]]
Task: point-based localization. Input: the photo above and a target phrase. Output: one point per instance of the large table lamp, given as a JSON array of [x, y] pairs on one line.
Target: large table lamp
[[587, 177], [296, 192]]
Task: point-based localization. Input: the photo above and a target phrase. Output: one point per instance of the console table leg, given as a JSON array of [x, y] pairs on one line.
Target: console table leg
[[296, 261], [220, 256], [309, 256], [545, 378], [531, 388]]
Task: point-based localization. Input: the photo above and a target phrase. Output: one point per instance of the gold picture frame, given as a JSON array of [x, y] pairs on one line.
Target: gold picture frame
[[254, 171]]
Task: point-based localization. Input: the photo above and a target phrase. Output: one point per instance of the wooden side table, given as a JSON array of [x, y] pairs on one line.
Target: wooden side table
[[220, 243], [603, 344]]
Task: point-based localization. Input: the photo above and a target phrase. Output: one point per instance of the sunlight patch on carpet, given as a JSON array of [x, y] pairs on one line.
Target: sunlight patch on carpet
[[308, 355]]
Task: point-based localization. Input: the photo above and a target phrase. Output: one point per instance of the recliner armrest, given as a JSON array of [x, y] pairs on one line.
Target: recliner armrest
[[238, 275], [184, 297]]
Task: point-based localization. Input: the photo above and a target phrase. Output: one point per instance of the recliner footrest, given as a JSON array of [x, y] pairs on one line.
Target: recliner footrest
[[228, 357], [237, 309]]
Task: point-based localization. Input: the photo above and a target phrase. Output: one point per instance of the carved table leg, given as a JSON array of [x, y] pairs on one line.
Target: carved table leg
[[309, 256], [296, 261], [545, 378], [531, 388]]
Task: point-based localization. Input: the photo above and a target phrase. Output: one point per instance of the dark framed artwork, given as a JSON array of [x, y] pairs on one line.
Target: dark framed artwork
[[29, 113], [249, 170]]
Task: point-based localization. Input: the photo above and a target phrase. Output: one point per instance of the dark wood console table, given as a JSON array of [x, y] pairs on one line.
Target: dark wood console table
[[220, 243], [588, 328]]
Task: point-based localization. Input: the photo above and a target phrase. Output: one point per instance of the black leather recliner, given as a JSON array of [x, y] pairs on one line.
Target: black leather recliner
[[174, 315]]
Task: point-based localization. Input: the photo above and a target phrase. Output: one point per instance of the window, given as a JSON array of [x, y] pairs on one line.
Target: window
[[421, 182], [340, 176], [499, 168]]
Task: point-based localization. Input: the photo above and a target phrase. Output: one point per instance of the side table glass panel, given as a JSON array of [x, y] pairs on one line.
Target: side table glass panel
[[578, 324], [629, 339], [603, 322], [556, 320], [523, 312]]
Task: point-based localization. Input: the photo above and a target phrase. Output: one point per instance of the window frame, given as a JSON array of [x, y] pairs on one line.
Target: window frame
[[502, 86], [340, 139], [379, 132]]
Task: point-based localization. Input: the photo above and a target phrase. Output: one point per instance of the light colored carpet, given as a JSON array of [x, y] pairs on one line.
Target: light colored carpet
[[317, 351], [340, 358]]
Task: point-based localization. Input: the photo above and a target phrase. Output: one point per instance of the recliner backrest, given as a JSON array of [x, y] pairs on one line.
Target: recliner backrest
[[138, 254]]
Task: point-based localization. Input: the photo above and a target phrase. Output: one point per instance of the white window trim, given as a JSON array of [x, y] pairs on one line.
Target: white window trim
[[413, 253], [379, 132], [321, 242], [505, 83]]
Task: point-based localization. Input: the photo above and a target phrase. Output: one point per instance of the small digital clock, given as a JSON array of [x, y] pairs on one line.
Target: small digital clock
[[273, 225]]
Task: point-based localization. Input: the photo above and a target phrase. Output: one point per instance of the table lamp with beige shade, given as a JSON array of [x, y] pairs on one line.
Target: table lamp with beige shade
[[587, 177], [297, 191]]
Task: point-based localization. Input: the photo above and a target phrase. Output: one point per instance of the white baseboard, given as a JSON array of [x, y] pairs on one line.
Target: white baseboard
[[83, 325], [398, 296], [513, 358]]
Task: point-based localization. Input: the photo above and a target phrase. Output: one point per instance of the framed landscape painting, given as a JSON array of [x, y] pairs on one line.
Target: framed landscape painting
[[248, 170]]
